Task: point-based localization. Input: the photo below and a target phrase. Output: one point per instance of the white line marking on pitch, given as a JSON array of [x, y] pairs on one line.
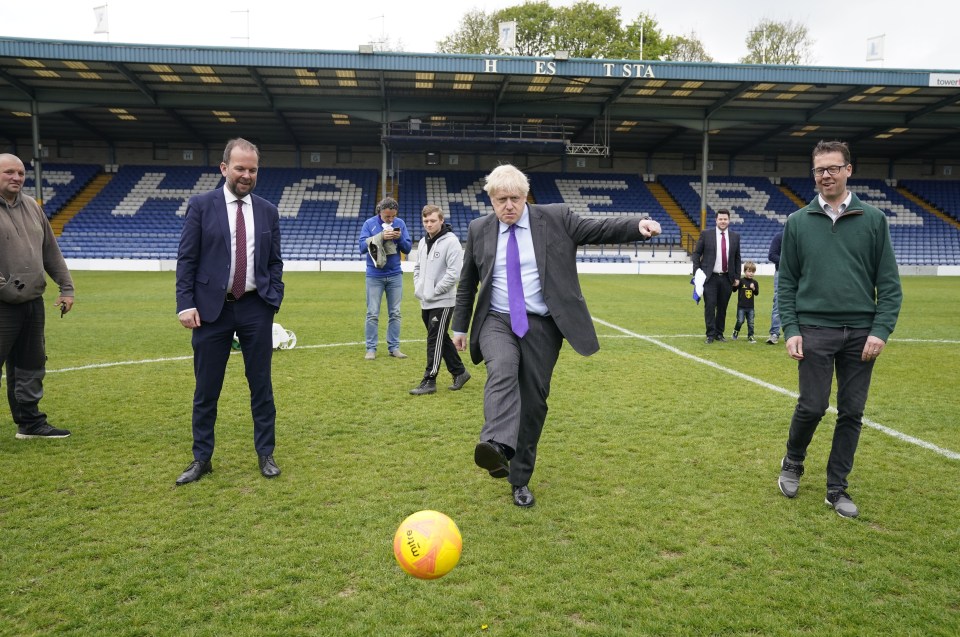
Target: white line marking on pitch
[[626, 334], [953, 455], [145, 361]]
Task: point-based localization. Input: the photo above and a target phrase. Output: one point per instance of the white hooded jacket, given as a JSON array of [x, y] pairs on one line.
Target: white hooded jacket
[[437, 270]]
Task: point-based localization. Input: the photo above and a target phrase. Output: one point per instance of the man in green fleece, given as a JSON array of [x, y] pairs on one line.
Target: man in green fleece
[[27, 250], [839, 301]]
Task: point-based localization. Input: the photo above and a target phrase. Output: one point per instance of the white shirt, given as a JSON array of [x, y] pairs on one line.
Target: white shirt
[[718, 265], [529, 274], [248, 229], [835, 213]]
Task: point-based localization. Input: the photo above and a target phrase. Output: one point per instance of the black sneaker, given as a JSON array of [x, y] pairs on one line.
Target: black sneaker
[[459, 381], [736, 334], [426, 386], [41, 431]]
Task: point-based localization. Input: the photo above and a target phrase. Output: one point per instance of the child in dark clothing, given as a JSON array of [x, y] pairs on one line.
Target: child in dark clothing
[[748, 289]]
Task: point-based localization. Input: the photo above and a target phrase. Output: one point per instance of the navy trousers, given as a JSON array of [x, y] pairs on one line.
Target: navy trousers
[[252, 320]]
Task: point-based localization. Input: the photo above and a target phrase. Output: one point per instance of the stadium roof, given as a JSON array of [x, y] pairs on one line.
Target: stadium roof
[[127, 92]]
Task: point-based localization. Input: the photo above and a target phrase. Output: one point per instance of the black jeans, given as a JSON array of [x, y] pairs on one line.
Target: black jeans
[[826, 349], [22, 348]]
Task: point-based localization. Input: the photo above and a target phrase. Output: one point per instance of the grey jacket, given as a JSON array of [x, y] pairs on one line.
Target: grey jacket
[[556, 232], [27, 250], [436, 271]]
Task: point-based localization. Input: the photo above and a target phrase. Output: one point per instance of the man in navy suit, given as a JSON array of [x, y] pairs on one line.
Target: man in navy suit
[[722, 268], [520, 266], [230, 280]]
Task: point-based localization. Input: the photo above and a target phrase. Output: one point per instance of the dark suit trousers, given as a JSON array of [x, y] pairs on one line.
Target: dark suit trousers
[[716, 296], [518, 384], [252, 320]]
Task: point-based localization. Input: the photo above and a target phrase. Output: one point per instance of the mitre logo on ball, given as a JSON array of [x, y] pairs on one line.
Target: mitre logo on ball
[[427, 544]]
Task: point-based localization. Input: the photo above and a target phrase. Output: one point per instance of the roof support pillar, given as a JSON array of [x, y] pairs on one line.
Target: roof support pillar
[[703, 174], [37, 169]]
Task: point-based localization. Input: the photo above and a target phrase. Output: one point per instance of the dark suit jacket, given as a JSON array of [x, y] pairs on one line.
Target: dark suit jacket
[[705, 253], [203, 259], [556, 233]]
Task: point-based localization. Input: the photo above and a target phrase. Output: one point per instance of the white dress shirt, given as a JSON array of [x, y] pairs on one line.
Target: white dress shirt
[[250, 232]]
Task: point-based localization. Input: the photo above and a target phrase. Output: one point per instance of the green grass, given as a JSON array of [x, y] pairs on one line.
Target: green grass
[[657, 507]]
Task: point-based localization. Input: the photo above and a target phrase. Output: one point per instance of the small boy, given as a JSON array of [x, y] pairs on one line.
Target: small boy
[[749, 289]]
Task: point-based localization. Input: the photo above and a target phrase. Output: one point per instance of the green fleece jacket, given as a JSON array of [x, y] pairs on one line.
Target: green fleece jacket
[[27, 250], [839, 274]]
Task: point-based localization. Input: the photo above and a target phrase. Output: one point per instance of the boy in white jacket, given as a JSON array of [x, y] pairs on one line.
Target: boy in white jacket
[[435, 274]]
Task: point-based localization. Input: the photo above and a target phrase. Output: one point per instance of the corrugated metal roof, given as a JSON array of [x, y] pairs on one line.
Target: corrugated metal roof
[[293, 97]]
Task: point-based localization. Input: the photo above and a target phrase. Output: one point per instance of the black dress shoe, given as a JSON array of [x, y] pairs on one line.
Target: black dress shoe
[[268, 467], [709, 340], [194, 471], [721, 339], [492, 456], [522, 496]]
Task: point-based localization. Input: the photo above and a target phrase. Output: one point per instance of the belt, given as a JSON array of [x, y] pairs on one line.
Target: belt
[[231, 298]]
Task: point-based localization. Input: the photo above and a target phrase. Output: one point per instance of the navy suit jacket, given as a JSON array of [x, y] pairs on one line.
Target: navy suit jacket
[[203, 259], [556, 233], [705, 253]]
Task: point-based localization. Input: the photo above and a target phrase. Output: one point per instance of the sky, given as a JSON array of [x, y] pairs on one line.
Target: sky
[[917, 34]]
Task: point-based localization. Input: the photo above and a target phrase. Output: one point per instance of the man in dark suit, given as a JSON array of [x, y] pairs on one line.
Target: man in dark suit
[[523, 259], [230, 280], [721, 265]]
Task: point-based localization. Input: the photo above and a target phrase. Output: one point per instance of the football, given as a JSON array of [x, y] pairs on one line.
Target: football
[[427, 544]]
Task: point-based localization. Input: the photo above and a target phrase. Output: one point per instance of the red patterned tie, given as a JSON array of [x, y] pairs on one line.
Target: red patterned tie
[[723, 250], [240, 272]]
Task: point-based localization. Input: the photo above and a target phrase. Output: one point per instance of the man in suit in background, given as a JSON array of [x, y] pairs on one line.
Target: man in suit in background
[[230, 280], [717, 253], [523, 259]]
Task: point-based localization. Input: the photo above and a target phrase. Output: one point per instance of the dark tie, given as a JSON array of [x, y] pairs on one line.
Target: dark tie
[[723, 251], [518, 306], [240, 272]]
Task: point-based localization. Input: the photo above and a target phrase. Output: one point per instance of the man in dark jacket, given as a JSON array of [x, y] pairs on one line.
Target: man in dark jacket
[[717, 253], [520, 266]]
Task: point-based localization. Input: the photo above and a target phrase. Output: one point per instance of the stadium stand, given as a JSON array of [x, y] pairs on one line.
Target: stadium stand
[[919, 237], [139, 214], [758, 209], [61, 183], [458, 193], [943, 195]]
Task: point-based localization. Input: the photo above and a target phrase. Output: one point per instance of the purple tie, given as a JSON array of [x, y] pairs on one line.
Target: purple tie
[[723, 251], [518, 306], [240, 271]]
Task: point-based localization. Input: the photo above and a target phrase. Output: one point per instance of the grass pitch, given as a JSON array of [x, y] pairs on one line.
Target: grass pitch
[[657, 507]]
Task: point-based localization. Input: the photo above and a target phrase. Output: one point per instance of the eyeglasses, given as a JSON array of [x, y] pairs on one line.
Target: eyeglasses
[[833, 170]]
